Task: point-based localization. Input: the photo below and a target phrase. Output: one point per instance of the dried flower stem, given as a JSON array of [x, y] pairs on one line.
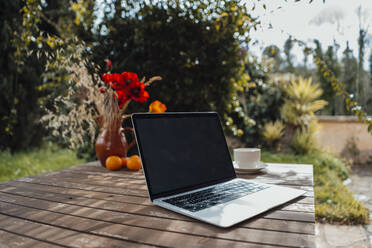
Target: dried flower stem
[[153, 79]]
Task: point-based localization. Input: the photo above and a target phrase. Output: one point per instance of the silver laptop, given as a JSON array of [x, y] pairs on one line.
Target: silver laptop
[[188, 170]]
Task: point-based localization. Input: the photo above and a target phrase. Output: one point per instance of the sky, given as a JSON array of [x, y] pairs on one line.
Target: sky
[[333, 20]]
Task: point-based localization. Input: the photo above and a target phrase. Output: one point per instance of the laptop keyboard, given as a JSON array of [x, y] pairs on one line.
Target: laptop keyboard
[[215, 195]]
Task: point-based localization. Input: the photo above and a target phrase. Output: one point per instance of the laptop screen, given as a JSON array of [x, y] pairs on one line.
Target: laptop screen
[[182, 151]]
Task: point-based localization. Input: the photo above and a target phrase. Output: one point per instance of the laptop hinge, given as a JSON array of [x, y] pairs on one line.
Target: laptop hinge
[[183, 190]]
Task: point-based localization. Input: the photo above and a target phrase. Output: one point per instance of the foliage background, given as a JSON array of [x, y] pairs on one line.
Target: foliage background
[[194, 45], [18, 86], [200, 48]]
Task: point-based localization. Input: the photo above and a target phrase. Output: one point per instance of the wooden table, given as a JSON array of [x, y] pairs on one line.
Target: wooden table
[[89, 206]]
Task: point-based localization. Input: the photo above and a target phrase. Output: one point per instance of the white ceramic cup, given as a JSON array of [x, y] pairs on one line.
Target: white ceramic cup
[[247, 158]]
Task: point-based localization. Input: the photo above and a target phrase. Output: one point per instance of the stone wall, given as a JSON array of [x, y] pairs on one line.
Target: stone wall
[[346, 136]]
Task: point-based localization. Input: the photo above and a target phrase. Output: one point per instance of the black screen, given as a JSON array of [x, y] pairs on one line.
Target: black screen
[[180, 151]]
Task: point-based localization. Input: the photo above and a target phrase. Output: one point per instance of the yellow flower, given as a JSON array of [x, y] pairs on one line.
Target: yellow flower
[[157, 107]]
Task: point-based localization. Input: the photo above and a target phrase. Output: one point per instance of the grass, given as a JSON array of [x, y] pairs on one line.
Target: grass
[[35, 161], [334, 203]]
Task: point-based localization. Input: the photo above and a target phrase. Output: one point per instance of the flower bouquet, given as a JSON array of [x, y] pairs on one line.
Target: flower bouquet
[[121, 89], [92, 99]]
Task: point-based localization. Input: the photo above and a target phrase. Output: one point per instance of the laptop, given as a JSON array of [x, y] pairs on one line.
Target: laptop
[[189, 170]]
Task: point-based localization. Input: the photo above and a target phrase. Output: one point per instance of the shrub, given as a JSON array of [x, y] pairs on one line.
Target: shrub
[[272, 132], [324, 161], [28, 29], [304, 140], [19, 93], [301, 102], [285, 98], [261, 101], [335, 203], [298, 110], [193, 45]]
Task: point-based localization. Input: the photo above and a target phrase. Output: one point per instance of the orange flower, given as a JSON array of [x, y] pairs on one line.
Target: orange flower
[[157, 107]]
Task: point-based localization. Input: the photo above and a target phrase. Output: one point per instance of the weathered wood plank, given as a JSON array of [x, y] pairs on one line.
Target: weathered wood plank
[[124, 175], [275, 167], [60, 236], [101, 180], [43, 192], [128, 232], [98, 195], [204, 232], [75, 185], [96, 168], [86, 184], [79, 192], [154, 210], [297, 168], [276, 171], [9, 239], [87, 180], [65, 207], [114, 206]]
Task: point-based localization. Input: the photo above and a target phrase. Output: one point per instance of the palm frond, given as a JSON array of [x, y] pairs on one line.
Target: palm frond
[[301, 102]]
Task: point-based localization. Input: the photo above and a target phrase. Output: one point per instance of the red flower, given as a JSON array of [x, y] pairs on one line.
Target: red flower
[[129, 77], [107, 77], [122, 97], [115, 80], [137, 92], [102, 90], [127, 87]]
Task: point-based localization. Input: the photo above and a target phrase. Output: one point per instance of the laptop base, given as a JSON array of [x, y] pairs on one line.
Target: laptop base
[[238, 210]]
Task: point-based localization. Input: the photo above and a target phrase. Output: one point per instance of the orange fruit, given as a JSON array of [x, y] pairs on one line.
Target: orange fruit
[[134, 163], [113, 163], [124, 161]]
